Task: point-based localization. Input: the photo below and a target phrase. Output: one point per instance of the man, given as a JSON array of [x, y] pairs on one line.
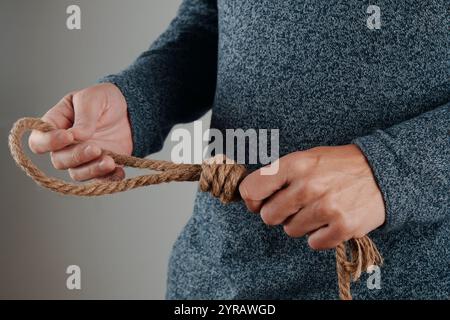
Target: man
[[361, 97]]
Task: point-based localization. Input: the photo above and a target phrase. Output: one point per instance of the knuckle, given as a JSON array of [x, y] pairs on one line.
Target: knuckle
[[327, 210], [304, 161], [314, 160], [330, 206], [243, 190], [54, 141], [79, 98], [330, 210], [323, 213], [312, 188], [296, 201], [340, 233], [76, 156], [56, 162], [93, 171], [79, 95], [359, 235], [247, 190], [68, 98], [344, 226], [294, 162]]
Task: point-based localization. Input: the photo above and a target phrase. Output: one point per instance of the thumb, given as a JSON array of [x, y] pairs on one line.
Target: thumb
[[87, 106]]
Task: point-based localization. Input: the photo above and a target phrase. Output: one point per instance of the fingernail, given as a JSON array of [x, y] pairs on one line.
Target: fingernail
[[92, 151], [263, 211], [103, 164]]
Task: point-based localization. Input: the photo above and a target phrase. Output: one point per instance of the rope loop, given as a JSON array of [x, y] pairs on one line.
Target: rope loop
[[220, 176]]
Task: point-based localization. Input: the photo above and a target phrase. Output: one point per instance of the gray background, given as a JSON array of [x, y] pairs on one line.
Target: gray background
[[122, 242]]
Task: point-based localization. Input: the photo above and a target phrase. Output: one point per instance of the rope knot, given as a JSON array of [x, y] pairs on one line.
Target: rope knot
[[222, 176], [219, 175]]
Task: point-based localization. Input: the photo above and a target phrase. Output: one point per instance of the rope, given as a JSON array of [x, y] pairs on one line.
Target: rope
[[217, 176], [363, 254]]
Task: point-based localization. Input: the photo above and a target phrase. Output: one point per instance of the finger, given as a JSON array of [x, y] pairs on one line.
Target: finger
[[328, 237], [304, 222], [75, 156], [280, 206], [87, 108], [254, 206], [286, 202], [60, 116], [257, 186], [95, 169], [117, 175], [55, 140]]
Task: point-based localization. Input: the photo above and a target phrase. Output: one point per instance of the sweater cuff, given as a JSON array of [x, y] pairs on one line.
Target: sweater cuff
[[144, 125], [388, 178]]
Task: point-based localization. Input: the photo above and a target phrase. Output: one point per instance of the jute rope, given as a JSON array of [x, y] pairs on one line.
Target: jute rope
[[217, 176]]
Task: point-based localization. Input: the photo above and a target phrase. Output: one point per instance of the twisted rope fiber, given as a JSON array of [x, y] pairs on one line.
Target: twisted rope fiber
[[217, 176]]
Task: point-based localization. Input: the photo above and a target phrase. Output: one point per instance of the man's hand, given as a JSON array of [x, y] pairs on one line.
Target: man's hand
[[328, 193], [88, 121]]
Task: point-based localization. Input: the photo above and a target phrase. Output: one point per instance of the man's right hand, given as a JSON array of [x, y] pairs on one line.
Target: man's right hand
[[87, 121]]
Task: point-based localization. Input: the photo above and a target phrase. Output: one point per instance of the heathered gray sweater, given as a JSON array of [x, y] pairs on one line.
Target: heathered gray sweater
[[316, 71]]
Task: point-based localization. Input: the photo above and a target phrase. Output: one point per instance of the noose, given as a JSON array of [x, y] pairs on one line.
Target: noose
[[217, 176]]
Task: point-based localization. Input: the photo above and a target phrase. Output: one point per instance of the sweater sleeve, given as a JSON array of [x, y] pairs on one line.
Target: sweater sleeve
[[411, 163], [174, 81]]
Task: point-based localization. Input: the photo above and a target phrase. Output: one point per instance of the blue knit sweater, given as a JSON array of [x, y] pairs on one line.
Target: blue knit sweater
[[319, 72]]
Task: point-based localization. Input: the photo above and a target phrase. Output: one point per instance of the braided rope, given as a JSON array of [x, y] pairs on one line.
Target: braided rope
[[217, 176]]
